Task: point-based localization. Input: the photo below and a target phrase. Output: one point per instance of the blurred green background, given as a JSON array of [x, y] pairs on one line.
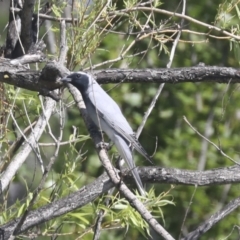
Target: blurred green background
[[211, 108]]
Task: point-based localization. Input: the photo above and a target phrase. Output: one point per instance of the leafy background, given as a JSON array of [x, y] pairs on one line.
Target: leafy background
[[211, 108]]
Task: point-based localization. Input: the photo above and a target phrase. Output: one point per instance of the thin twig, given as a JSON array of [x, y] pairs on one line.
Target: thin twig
[[18, 36], [31, 143], [19, 158], [51, 144], [149, 110], [57, 141], [155, 98], [187, 210], [100, 216], [169, 13], [37, 191], [36, 149], [218, 148], [63, 46], [204, 145], [102, 184], [16, 144], [141, 8], [215, 218]]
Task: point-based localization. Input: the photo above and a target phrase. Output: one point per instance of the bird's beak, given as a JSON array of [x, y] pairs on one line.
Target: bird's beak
[[66, 80]]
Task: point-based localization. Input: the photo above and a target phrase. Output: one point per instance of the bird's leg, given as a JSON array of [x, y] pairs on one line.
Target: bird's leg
[[120, 164]]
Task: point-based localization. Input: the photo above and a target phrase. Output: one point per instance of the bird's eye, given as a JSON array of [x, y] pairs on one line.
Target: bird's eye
[[78, 76]]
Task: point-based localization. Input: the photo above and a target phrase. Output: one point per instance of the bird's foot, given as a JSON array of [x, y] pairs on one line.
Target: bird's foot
[[104, 145]]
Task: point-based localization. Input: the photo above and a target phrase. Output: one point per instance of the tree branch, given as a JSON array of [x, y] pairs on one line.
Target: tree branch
[[28, 58], [21, 156], [27, 31], [49, 104], [57, 208], [103, 183], [48, 79], [215, 218], [13, 29], [216, 176], [174, 75]]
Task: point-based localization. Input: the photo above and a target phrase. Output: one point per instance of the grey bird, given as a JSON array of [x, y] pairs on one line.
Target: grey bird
[[106, 114]]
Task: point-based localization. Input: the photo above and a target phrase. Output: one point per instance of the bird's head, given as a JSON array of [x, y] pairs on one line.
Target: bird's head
[[79, 80]]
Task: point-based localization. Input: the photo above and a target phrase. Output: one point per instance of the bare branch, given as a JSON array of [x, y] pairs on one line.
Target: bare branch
[[27, 31], [21, 156], [100, 216], [15, 145], [173, 75], [206, 139], [63, 46], [13, 29], [215, 218], [183, 16], [48, 79], [102, 184], [121, 12], [57, 208], [28, 58], [218, 176], [47, 109]]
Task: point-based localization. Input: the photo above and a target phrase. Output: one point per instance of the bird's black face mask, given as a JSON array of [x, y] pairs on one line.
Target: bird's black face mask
[[78, 80]]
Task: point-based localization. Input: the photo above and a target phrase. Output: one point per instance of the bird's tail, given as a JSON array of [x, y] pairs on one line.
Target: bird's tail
[[126, 153]]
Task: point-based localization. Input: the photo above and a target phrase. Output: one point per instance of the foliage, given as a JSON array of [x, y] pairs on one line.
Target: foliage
[[111, 34], [120, 214]]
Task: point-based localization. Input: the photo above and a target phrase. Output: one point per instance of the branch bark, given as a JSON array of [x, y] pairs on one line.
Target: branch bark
[[103, 183], [57, 208], [38, 81], [215, 218], [30, 143], [218, 176], [23, 29], [14, 29], [27, 31]]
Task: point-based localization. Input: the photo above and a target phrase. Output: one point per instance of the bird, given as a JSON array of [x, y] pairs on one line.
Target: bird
[[108, 117]]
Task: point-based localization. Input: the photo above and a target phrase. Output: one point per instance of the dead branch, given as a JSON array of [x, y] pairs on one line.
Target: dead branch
[[47, 79], [102, 184]]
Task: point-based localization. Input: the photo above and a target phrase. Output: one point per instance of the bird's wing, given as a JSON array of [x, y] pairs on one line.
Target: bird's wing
[[126, 154], [110, 112], [107, 108], [131, 138]]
